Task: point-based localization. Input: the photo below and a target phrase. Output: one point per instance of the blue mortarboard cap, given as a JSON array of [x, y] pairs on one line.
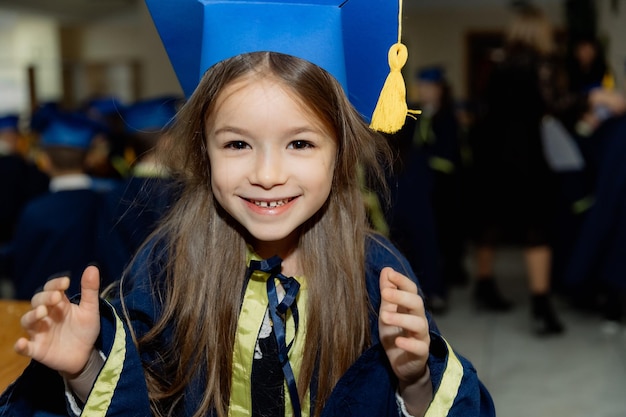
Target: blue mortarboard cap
[[348, 38], [150, 115], [9, 121], [431, 74], [103, 106], [43, 115], [69, 130]]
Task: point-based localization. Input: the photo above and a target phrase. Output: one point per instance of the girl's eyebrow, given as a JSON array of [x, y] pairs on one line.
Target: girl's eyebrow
[[229, 129], [293, 131]]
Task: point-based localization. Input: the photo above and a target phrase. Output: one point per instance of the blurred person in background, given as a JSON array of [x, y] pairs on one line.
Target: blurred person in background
[[106, 162], [56, 231], [591, 98], [596, 270], [135, 206], [438, 134], [20, 181], [515, 187]]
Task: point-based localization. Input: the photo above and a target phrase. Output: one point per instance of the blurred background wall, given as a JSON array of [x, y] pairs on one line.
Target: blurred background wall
[[69, 50]]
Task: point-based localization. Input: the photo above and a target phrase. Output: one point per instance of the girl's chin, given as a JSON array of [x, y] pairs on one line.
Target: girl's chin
[[273, 241]]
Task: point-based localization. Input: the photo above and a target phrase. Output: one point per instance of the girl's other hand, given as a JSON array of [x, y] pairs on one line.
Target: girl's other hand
[[404, 333], [61, 335]]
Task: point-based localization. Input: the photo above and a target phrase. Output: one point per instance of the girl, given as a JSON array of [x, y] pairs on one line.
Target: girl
[[263, 293]]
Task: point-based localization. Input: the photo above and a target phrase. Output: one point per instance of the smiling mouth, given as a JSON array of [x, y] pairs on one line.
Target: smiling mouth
[[270, 204]]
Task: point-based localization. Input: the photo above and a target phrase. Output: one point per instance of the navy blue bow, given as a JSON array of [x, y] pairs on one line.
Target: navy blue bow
[[277, 313]]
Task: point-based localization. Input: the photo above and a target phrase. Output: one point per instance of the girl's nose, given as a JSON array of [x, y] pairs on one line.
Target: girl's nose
[[269, 169]]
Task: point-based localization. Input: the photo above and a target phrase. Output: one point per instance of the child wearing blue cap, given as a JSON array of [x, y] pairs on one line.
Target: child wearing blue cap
[[56, 232], [263, 293]]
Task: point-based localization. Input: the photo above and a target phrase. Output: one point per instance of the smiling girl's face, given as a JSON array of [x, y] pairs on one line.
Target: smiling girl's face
[[272, 161]]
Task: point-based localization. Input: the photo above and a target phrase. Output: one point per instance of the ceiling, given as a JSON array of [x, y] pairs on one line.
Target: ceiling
[[70, 10], [85, 10]]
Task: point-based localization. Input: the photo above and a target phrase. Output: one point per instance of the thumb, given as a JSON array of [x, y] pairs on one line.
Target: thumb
[[90, 288]]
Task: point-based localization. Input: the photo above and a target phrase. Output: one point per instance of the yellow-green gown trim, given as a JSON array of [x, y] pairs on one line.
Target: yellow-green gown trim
[[253, 310]]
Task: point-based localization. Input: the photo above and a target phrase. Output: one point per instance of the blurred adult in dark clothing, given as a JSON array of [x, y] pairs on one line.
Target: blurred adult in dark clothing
[[56, 231], [515, 188], [410, 216], [438, 135], [592, 100], [137, 204], [20, 181], [597, 260]]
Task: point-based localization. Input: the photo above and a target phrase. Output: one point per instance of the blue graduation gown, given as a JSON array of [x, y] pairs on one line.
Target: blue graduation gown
[[56, 234], [131, 211], [20, 181], [599, 249], [366, 389]]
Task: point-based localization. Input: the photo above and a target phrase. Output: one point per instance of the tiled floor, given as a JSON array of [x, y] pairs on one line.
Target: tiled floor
[[581, 373]]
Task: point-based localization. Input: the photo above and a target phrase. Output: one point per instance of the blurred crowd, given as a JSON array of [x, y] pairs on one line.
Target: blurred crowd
[[79, 186], [537, 162]]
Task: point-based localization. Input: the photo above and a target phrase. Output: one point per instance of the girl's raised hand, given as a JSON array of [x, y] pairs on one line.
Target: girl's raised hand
[[403, 329], [61, 335]]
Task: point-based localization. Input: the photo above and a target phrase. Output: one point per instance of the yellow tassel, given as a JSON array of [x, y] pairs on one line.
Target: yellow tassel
[[391, 109]]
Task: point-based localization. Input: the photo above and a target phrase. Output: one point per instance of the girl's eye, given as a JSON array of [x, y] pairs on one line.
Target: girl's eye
[[300, 144], [236, 144]]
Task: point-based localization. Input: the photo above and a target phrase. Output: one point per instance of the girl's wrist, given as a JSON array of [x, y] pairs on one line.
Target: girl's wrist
[[417, 395], [81, 382]]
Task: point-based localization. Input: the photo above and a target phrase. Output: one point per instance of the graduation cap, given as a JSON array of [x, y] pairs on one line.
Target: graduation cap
[[150, 115], [100, 107], [69, 130], [350, 39], [43, 114], [433, 74], [9, 121]]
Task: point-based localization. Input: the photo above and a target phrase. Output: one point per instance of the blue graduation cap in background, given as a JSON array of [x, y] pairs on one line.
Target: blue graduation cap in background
[[433, 74], [351, 39], [43, 114], [69, 130], [9, 121], [100, 107], [150, 115]]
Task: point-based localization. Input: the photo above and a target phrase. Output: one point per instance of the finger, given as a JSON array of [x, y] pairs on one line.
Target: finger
[[385, 285], [406, 302], [405, 323], [418, 347], [90, 288], [402, 282], [33, 316], [47, 298], [22, 346], [57, 284]]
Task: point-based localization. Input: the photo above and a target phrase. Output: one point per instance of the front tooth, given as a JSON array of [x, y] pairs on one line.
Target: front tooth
[[270, 204]]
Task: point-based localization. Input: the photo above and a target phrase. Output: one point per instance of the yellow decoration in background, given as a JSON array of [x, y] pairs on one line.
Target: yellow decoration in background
[[608, 81]]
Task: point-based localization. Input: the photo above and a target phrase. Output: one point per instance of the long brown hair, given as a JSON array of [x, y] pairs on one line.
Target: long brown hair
[[206, 249], [531, 28]]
